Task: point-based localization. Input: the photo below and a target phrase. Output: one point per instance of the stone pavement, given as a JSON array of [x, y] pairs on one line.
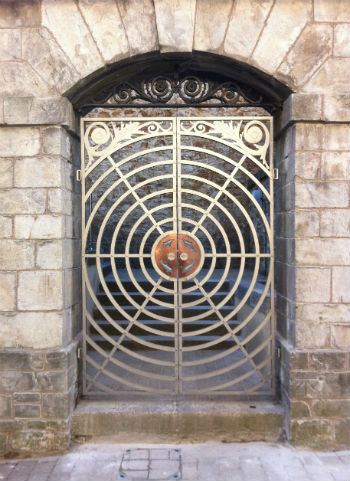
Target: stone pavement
[[201, 462]]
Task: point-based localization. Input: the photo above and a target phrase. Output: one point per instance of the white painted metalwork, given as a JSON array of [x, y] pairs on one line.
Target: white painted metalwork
[[155, 192]]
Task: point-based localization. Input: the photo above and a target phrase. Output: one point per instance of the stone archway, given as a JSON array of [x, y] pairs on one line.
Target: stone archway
[[63, 48]]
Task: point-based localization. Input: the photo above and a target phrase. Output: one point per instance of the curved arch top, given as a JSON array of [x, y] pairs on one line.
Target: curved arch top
[[254, 85]]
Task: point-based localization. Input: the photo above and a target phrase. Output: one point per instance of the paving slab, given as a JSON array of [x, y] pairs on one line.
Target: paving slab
[[210, 461]]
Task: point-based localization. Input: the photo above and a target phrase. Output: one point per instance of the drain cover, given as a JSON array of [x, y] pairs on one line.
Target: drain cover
[[142, 464]]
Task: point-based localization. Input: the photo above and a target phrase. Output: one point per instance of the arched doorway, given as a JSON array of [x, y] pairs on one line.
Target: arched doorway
[[177, 178]]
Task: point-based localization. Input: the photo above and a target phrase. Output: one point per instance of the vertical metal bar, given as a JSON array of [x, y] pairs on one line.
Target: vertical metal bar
[[272, 261], [178, 282], [83, 248]]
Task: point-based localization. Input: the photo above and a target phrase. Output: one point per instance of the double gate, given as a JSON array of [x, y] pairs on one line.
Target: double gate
[[177, 246]]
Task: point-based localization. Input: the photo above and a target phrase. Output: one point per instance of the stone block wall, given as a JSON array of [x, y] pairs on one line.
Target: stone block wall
[[313, 309], [50, 48], [40, 275]]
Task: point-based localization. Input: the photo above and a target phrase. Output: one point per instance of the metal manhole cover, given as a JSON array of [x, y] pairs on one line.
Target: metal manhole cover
[[142, 464]]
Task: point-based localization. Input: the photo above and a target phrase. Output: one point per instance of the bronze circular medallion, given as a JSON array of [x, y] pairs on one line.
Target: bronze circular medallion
[[178, 255]]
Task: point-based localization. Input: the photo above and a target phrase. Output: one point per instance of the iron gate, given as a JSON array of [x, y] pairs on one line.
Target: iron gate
[[177, 255]]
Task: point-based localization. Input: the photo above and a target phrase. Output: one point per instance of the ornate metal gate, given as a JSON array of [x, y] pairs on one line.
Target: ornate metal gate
[[178, 255]]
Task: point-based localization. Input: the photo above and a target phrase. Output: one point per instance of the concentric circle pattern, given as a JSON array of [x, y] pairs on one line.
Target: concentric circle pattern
[[177, 248]]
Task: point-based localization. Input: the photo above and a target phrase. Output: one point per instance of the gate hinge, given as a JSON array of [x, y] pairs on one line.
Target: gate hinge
[[278, 352], [79, 353], [78, 175], [275, 173]]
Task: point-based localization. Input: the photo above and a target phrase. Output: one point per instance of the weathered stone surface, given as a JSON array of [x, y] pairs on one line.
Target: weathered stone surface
[[323, 312], [19, 79], [306, 223], [307, 165], [5, 406], [38, 361], [309, 136], [313, 284], [314, 434], [7, 291], [15, 361], [72, 34], [299, 410], [37, 172], [56, 141], [211, 24], [337, 137], [327, 361], [335, 223], [331, 409], [27, 397], [22, 201], [342, 433], [312, 335], [285, 23], [31, 110], [341, 284], [106, 27], [11, 381], [340, 336], [337, 107], [27, 411], [302, 107], [16, 254], [319, 385], [38, 442], [6, 173], [49, 255], [134, 14], [310, 50], [245, 27], [10, 44], [298, 360], [335, 166], [37, 330], [342, 39], [19, 141], [321, 194], [40, 290], [20, 14], [322, 252], [333, 76], [52, 381], [55, 405], [5, 226], [43, 53], [175, 24], [60, 201], [335, 11], [38, 227]]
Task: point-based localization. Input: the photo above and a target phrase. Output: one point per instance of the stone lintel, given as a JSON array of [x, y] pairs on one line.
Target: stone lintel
[[39, 111], [315, 108]]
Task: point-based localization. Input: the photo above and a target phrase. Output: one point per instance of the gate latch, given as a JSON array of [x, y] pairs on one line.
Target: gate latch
[[275, 174], [78, 175]]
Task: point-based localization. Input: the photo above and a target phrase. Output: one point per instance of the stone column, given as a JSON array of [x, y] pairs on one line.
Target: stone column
[[313, 303], [40, 275]]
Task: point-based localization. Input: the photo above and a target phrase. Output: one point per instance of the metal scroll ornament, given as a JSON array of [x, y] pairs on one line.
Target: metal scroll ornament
[[189, 90]]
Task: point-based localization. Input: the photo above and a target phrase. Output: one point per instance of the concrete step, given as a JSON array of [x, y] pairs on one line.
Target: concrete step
[[168, 421]]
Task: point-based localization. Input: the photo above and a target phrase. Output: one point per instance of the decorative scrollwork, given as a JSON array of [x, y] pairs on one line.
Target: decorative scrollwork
[[188, 90]]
